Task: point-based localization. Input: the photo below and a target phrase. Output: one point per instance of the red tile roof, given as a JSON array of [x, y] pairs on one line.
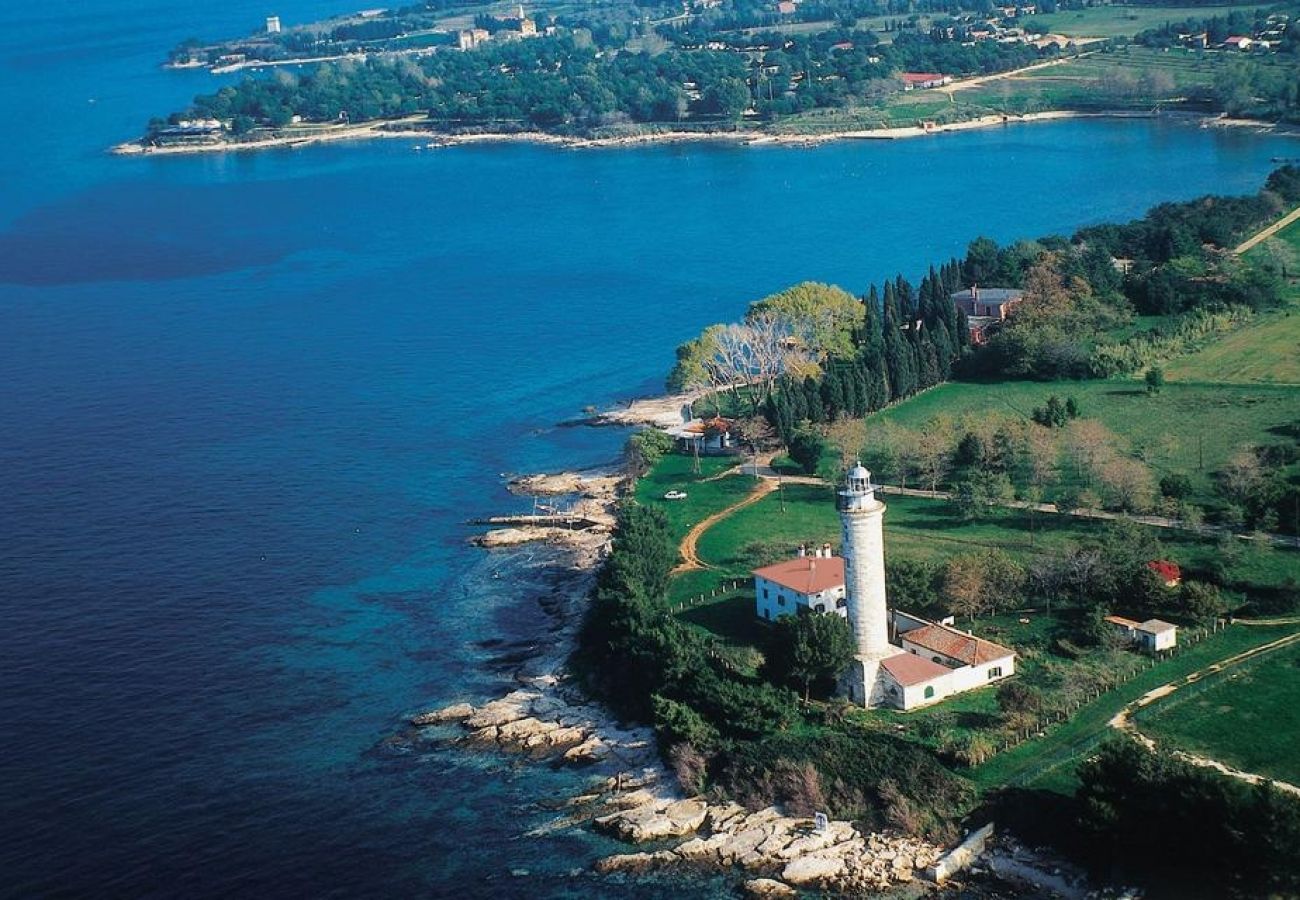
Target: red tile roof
[[955, 644], [909, 669], [1123, 622], [1167, 570], [922, 77], [806, 574]]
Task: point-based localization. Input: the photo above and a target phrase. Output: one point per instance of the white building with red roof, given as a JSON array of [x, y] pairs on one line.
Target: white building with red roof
[[808, 583]]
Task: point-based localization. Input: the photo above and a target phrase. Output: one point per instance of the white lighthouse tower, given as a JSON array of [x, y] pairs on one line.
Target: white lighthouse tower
[[862, 524]]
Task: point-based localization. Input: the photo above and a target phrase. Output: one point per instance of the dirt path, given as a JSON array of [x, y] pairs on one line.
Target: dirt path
[[1268, 232], [1123, 720], [985, 79], [691, 561]]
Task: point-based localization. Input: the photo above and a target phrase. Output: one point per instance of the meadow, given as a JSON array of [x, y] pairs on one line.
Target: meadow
[[1263, 352], [1247, 717], [1125, 21]]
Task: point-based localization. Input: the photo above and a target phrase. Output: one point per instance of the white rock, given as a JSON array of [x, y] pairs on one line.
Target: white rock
[[812, 869], [768, 887], [453, 713]]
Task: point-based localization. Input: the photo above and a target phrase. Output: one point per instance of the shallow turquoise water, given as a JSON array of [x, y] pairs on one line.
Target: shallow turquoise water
[[250, 400]]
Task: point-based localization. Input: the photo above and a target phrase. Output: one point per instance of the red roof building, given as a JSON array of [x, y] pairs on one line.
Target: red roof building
[[812, 583], [910, 670], [1166, 571], [958, 646], [913, 80]]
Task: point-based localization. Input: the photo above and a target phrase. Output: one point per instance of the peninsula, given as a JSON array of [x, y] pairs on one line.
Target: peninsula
[[729, 68], [1020, 640]]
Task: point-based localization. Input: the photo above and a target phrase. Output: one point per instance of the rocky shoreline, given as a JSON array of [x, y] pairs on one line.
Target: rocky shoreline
[[632, 798]]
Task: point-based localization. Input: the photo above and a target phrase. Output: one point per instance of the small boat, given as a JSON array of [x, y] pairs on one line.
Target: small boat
[[675, 495]]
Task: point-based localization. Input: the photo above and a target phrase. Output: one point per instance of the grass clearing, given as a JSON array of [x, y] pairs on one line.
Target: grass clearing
[[1188, 428], [1125, 21], [1263, 352], [1247, 717], [1048, 762]]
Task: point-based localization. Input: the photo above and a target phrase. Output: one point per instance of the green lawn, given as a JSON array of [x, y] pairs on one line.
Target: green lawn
[[703, 497], [1125, 21], [1247, 717], [1049, 762], [1189, 428], [930, 530], [1263, 352]]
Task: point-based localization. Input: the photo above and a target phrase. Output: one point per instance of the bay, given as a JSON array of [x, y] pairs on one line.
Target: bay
[[249, 400]]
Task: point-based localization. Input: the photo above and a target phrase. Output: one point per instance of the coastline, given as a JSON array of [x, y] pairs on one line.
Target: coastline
[[393, 128]]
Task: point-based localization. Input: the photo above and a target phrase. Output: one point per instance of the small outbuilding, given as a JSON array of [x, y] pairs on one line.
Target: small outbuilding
[[1153, 635]]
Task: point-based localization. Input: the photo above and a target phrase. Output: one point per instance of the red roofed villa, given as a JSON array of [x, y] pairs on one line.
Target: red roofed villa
[[922, 80], [814, 583]]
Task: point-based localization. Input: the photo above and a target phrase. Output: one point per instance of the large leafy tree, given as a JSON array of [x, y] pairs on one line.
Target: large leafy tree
[[810, 651]]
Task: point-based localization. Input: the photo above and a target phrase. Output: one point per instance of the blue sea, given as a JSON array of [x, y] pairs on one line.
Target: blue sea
[[247, 403]]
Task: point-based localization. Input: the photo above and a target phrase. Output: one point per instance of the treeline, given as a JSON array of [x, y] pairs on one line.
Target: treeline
[[720, 727], [1187, 830], [568, 81], [908, 340], [1076, 293], [1175, 260], [542, 82]]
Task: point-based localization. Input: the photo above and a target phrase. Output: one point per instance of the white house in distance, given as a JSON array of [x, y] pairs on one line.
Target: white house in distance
[[808, 583], [931, 661], [1153, 635]]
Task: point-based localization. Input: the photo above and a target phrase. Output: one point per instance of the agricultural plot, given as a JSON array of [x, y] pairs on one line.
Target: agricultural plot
[[1247, 717], [1125, 21]]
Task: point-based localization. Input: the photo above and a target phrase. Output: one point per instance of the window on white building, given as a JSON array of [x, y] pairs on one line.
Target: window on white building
[[929, 692], [995, 672]]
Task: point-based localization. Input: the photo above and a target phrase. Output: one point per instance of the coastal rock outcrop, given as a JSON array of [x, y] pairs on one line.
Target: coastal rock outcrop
[[547, 722], [766, 843]]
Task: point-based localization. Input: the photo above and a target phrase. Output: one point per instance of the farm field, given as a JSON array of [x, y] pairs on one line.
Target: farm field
[[1125, 21], [1247, 717]]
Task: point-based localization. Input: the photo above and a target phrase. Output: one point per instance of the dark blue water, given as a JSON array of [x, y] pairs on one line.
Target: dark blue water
[[246, 403]]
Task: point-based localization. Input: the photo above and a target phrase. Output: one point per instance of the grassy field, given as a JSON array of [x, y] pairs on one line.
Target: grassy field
[[1126, 21], [1263, 352], [1189, 428], [930, 530], [1247, 717], [1049, 762]]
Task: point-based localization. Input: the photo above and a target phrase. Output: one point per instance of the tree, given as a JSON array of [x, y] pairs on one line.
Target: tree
[[978, 583], [1155, 379], [1202, 602], [810, 650], [822, 316], [806, 448]]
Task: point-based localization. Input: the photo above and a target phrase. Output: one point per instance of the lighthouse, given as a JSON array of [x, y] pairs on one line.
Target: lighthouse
[[862, 530]]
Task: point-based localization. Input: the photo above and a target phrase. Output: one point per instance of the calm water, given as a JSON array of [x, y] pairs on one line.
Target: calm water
[[247, 402]]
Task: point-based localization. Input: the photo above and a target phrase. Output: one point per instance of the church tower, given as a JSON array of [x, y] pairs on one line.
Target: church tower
[[862, 530]]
